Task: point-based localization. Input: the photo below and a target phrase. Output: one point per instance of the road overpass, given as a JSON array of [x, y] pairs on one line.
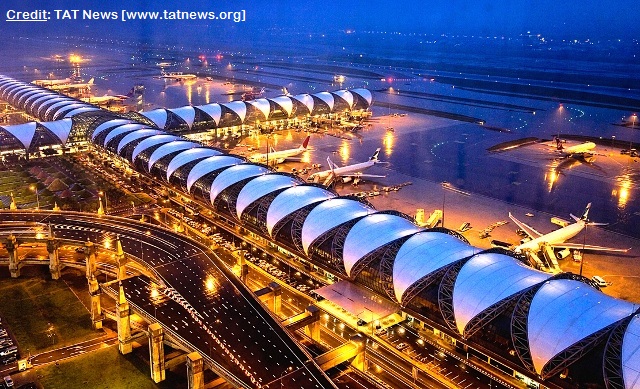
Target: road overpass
[[243, 330]]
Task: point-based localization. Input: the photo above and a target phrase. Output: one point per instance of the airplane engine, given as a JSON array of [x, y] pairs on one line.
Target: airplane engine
[[346, 179], [562, 254]]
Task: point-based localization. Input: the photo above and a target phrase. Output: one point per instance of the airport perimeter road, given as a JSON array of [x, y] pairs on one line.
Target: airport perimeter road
[[210, 291]]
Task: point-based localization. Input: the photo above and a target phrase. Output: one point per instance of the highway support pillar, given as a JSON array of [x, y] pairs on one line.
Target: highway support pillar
[[195, 371], [244, 273], [313, 329], [14, 261], [96, 309], [276, 306], [124, 324], [54, 258], [90, 259], [156, 352], [360, 361], [121, 260]]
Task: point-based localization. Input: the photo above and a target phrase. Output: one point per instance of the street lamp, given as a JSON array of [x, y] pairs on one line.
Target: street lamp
[[633, 126], [35, 189], [102, 193], [289, 370]]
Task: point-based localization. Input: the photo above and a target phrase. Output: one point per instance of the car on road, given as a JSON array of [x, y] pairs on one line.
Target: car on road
[[8, 382], [401, 346]]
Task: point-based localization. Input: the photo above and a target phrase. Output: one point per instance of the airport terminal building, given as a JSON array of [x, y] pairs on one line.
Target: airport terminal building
[[553, 330]]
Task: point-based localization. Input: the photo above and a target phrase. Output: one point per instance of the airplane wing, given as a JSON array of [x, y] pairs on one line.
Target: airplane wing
[[525, 227], [580, 246], [362, 175]]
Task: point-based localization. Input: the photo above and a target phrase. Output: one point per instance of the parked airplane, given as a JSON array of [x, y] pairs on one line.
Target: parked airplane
[[106, 99], [48, 83], [583, 151], [346, 173], [178, 76], [557, 238], [70, 86], [274, 157]]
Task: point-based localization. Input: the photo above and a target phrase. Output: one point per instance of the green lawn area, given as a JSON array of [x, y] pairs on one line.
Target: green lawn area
[[99, 369], [104, 369], [31, 306]]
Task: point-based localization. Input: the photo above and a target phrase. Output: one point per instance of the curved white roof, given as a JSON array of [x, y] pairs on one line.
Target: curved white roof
[[292, 200], [187, 113], [61, 128], [108, 124], [364, 93], [70, 107], [631, 354], [263, 105], [76, 111], [305, 99], [238, 107], [232, 175], [486, 279], [260, 187], [38, 98], [60, 102], [6, 92], [11, 93], [285, 102], [25, 97], [345, 95], [23, 94], [35, 97], [552, 327], [208, 165], [135, 135], [326, 97], [169, 148], [330, 214], [158, 116], [152, 141], [423, 254], [123, 129], [212, 110], [189, 156], [371, 232], [24, 132]]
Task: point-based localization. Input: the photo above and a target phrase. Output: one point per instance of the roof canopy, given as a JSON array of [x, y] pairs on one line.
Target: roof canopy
[[423, 254], [371, 232], [553, 328], [292, 200], [330, 214]]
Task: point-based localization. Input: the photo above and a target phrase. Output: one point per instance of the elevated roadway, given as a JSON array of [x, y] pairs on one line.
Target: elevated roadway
[[262, 353]]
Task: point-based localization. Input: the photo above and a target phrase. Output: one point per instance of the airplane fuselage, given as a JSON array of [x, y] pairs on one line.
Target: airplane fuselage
[[340, 171], [554, 237], [277, 155]]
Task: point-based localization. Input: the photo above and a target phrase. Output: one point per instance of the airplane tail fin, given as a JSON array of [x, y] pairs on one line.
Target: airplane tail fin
[[585, 214], [272, 150], [374, 157], [332, 165], [91, 81], [306, 142]]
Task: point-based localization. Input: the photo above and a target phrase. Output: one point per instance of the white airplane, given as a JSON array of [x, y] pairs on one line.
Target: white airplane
[[178, 76], [346, 173], [48, 83], [583, 151], [275, 157], [69, 86], [557, 238], [104, 99]]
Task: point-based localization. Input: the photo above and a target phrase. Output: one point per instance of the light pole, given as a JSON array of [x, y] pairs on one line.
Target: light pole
[[35, 189], [289, 370], [633, 126], [104, 193]]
